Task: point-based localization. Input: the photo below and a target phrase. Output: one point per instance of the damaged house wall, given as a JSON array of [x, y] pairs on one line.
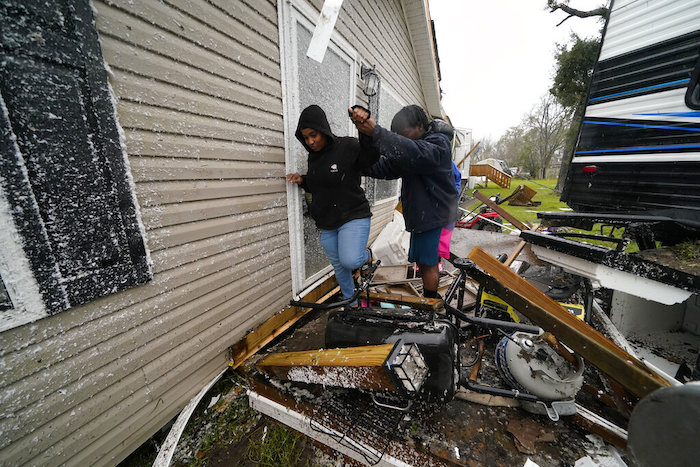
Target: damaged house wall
[[198, 88]]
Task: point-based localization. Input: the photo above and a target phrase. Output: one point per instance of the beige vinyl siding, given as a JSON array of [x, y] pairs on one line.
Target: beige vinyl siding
[[382, 214], [199, 98], [378, 31]]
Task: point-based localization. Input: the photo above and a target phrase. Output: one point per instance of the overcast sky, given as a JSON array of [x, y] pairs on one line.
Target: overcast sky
[[497, 57]]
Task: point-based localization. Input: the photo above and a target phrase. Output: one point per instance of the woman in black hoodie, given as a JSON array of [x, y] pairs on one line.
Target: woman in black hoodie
[[339, 206]]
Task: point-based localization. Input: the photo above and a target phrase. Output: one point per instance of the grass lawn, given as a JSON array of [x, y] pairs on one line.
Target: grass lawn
[[549, 200], [545, 195]]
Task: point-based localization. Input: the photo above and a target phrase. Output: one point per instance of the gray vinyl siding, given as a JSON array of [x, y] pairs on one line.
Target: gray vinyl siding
[[199, 99], [378, 31]]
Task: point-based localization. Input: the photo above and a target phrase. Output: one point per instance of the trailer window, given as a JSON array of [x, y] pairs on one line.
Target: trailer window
[[389, 104]]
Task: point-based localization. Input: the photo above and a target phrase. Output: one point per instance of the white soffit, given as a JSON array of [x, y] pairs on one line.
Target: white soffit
[[417, 16]]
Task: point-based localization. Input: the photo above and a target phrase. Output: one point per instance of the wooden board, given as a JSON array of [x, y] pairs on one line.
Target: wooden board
[[501, 212], [273, 327], [354, 367], [419, 303]]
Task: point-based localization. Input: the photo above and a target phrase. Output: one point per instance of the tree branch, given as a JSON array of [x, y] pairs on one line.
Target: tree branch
[[601, 11]]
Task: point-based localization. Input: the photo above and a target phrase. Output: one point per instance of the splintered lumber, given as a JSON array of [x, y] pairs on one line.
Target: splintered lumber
[[353, 367], [521, 196], [584, 340], [501, 212], [276, 325], [418, 303], [607, 430], [514, 254]]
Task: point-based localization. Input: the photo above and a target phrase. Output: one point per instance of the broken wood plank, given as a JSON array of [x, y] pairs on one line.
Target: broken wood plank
[[514, 254], [501, 212], [560, 349], [276, 325], [604, 428], [468, 154], [417, 288], [474, 373], [486, 399], [584, 340], [396, 282], [363, 367], [419, 303]]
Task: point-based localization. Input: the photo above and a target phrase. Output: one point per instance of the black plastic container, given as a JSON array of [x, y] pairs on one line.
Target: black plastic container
[[436, 339]]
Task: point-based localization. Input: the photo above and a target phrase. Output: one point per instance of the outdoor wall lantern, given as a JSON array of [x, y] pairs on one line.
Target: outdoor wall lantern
[[371, 80]]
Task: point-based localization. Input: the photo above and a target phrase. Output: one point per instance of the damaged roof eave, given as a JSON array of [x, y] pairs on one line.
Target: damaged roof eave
[[417, 15]]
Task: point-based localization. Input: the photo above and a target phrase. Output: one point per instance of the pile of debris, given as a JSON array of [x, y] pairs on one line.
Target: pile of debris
[[518, 355], [521, 360]]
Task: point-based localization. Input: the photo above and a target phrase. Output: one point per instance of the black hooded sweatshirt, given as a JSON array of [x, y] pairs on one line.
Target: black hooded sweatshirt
[[428, 194], [334, 173]]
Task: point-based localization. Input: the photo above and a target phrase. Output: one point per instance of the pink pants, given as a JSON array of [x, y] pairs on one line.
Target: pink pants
[[445, 238]]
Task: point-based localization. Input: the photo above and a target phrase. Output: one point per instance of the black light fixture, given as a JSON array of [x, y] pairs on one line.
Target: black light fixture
[[371, 80]]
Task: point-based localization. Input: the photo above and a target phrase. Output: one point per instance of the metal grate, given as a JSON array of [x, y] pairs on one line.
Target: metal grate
[[357, 423]]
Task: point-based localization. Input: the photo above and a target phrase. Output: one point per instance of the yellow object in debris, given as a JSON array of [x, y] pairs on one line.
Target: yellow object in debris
[[575, 309], [494, 303]]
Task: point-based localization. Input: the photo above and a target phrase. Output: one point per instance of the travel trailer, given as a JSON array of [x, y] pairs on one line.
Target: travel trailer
[[638, 149]]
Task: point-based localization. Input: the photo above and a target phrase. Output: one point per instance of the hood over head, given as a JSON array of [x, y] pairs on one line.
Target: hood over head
[[441, 126], [315, 118]]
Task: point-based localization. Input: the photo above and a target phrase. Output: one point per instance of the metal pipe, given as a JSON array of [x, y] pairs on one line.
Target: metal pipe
[[492, 323], [511, 393], [325, 306]]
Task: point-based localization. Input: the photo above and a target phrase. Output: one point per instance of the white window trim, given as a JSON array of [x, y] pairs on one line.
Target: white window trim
[[17, 274], [288, 12]]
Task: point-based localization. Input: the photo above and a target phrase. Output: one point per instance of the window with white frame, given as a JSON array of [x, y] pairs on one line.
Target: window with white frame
[[389, 105]]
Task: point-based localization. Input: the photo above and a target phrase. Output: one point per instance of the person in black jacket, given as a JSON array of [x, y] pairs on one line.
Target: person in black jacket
[[419, 152], [338, 203]]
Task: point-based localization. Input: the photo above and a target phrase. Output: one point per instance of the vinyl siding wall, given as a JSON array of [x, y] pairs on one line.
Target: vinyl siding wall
[[199, 99], [378, 31]]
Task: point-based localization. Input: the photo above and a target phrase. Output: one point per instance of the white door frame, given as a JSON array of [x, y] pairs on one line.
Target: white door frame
[[290, 12]]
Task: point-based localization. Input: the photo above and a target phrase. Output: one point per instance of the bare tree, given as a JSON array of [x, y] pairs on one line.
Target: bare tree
[[510, 146], [545, 135], [553, 6]]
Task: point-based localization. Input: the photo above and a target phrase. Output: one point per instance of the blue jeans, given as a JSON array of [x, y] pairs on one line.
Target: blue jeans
[[346, 250]]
